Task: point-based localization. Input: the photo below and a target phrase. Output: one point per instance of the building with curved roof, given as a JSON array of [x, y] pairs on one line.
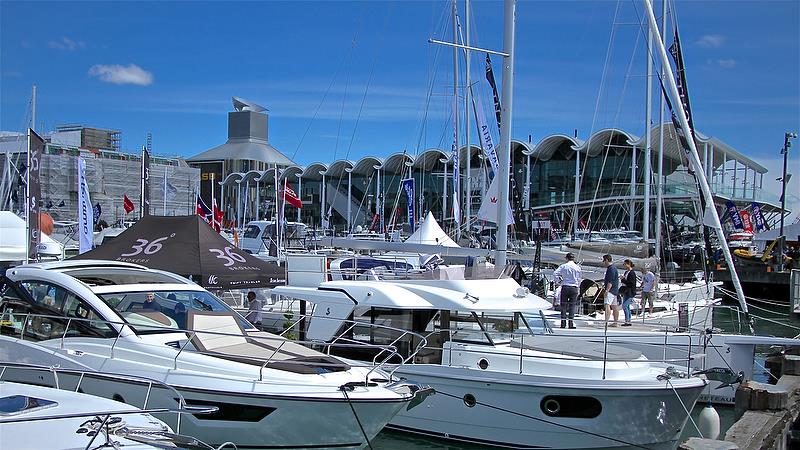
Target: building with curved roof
[[598, 181]]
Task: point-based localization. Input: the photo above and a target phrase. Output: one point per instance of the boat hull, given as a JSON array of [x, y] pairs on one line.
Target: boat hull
[[509, 411]]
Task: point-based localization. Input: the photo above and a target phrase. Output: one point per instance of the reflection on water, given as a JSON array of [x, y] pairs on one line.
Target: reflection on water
[[770, 320]]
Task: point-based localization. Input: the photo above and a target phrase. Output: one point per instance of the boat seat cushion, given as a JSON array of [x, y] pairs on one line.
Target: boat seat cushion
[[220, 334]]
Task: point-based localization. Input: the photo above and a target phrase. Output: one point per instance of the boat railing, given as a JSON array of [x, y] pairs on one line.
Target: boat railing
[[385, 354], [60, 372], [672, 343]]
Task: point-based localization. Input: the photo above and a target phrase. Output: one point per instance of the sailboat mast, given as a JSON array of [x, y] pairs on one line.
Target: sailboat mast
[[505, 131], [646, 175], [694, 157], [467, 108], [659, 186], [455, 119]]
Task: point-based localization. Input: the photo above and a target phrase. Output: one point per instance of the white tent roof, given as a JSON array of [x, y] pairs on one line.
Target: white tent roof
[[13, 237], [429, 232]]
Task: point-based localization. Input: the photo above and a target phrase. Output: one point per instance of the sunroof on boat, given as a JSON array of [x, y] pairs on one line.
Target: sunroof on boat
[[19, 404]]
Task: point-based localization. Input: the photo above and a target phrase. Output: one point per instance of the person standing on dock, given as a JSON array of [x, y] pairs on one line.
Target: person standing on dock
[[254, 314], [611, 285], [629, 282], [648, 289], [569, 276]]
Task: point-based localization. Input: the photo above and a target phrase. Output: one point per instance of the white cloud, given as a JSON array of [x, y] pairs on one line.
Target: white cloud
[[729, 63], [711, 40], [117, 74], [67, 44]]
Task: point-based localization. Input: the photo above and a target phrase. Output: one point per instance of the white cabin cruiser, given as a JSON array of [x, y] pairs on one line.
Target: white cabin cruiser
[[499, 388], [37, 417], [126, 319]]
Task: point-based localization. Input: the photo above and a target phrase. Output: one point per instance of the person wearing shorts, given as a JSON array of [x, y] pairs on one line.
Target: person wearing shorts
[[611, 285], [648, 289]]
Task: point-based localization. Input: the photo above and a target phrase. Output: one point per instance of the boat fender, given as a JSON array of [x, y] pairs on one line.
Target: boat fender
[[708, 423]]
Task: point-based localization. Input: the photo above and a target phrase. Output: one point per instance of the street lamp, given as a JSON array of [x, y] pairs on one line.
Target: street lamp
[[786, 144]]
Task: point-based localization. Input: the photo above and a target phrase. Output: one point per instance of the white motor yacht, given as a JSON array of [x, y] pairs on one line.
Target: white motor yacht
[[37, 417], [500, 388], [126, 319]]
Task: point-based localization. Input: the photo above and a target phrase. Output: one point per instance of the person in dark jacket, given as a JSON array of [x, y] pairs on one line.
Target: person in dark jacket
[[628, 290]]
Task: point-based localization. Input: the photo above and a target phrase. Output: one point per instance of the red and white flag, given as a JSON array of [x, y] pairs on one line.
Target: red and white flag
[[290, 196]]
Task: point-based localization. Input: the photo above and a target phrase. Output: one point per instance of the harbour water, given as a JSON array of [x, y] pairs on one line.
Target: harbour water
[[771, 319]]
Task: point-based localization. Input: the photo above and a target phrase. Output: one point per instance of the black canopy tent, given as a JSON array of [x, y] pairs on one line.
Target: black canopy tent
[[188, 246]]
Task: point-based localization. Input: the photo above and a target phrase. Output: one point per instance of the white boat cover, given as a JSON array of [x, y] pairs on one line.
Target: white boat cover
[[13, 237], [429, 232]]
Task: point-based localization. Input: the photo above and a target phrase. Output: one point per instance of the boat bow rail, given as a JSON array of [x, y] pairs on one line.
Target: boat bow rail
[[223, 338], [63, 377]]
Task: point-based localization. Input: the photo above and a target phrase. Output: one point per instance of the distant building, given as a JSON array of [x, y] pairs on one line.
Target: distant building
[[110, 173]]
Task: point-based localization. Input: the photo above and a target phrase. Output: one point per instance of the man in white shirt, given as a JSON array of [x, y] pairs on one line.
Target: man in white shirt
[[254, 314], [569, 276]]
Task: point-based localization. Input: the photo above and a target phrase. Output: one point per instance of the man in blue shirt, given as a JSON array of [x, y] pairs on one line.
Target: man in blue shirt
[[611, 285]]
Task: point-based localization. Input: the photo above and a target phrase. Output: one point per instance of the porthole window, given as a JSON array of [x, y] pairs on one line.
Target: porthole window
[[483, 363], [469, 400], [569, 406]]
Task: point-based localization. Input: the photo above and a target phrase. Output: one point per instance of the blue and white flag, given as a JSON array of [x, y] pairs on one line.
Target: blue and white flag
[[733, 213], [96, 211], [85, 214], [758, 217], [407, 185], [487, 143]]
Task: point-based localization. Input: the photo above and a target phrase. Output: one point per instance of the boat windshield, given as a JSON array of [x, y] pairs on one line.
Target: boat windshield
[[165, 311], [251, 232]]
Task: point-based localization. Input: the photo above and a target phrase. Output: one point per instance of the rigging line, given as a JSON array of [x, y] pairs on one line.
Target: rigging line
[[319, 106], [600, 90], [549, 422], [688, 414], [366, 88], [344, 98], [614, 123]]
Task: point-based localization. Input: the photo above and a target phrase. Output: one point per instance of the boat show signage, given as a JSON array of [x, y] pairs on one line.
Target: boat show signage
[[408, 188], [35, 149], [733, 213], [188, 246], [85, 210]]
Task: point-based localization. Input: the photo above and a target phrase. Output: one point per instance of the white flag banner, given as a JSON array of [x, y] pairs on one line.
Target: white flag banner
[[486, 138], [85, 213], [488, 210]]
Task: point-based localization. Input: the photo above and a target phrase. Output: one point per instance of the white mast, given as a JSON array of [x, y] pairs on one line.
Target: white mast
[[646, 175], [505, 131], [659, 185], [694, 157], [467, 108]]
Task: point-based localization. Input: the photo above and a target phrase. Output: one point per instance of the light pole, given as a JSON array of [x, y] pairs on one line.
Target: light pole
[[786, 144]]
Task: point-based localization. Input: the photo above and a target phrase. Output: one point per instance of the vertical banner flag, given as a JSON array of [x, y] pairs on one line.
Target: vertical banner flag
[[486, 137], [758, 217], [97, 210], [145, 197], [85, 215], [490, 79], [408, 187], [35, 149], [733, 213], [746, 223]]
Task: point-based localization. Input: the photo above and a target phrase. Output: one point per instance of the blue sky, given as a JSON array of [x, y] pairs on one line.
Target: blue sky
[[347, 79]]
